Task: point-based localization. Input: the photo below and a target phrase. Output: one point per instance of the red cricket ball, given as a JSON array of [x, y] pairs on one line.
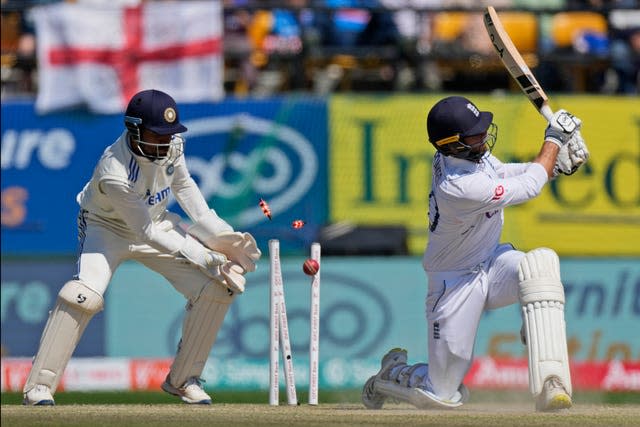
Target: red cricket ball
[[310, 267]]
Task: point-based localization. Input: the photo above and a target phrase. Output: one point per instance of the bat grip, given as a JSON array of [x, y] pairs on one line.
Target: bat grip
[[546, 111]]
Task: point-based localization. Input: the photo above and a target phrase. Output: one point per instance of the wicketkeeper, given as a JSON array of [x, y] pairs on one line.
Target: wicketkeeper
[[123, 216], [470, 271]]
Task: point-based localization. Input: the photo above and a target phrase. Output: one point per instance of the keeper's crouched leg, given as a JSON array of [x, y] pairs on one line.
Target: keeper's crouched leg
[[542, 298], [76, 305], [202, 322]]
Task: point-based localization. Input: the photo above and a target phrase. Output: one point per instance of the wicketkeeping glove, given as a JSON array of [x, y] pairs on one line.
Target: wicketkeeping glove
[[561, 128], [238, 247], [207, 260], [233, 275], [214, 264]]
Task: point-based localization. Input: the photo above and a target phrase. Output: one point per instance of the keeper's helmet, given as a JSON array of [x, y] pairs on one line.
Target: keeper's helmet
[[453, 118], [157, 112]]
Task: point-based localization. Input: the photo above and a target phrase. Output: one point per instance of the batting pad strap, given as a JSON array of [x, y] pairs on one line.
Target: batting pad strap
[[539, 274], [539, 290]]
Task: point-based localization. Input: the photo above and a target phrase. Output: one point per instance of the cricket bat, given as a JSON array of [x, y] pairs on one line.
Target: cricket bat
[[514, 63]]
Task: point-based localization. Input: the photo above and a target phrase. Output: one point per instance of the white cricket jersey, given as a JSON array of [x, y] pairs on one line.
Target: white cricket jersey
[[466, 207], [129, 194]]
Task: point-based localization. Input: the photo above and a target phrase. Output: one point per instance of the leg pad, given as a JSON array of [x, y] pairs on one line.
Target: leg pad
[[542, 300], [76, 305], [202, 322]]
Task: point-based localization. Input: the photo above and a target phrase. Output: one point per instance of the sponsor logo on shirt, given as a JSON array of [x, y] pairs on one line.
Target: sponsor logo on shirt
[[498, 192], [153, 199]]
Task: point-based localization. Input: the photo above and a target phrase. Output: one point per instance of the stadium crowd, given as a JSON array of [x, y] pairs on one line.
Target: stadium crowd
[[322, 46]]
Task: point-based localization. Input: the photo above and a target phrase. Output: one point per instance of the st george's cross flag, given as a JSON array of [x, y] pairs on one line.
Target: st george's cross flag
[[100, 56]]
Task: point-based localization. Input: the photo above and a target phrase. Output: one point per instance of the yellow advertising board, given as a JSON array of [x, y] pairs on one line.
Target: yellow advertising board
[[380, 170]]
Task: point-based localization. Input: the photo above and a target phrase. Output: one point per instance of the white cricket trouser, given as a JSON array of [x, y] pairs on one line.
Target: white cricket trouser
[[454, 305], [102, 251]]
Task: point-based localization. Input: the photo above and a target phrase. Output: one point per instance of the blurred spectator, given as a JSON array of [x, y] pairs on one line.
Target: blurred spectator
[[625, 51], [108, 2], [408, 18], [374, 44], [472, 38], [351, 23], [601, 4], [26, 55], [18, 54], [357, 43], [276, 40], [240, 72], [461, 48], [540, 4], [414, 34], [577, 54]]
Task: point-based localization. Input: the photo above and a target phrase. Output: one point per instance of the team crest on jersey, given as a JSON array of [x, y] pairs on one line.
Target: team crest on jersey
[[170, 115], [498, 192], [170, 169]]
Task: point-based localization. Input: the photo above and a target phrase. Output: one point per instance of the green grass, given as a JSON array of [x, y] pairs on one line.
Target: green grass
[[336, 408], [339, 396]]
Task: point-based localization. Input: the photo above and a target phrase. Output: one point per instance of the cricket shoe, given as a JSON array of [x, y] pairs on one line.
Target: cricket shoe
[[190, 392], [370, 397], [421, 398], [381, 386], [553, 396], [40, 395]]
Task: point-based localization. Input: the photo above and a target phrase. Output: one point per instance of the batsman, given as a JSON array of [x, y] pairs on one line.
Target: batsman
[[470, 271], [123, 216]]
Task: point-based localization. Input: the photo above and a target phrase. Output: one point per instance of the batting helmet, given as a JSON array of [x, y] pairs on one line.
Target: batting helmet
[[155, 111], [453, 118]]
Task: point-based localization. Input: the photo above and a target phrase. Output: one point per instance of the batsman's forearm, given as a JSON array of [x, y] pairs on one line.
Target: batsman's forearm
[[547, 157]]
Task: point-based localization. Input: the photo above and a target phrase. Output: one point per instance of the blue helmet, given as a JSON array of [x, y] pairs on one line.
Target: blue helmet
[[453, 118], [157, 112]]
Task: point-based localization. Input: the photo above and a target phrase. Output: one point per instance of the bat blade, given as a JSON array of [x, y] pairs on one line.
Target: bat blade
[[514, 63]]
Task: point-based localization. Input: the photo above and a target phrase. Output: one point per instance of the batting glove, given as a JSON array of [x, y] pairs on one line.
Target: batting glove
[[561, 128], [571, 155]]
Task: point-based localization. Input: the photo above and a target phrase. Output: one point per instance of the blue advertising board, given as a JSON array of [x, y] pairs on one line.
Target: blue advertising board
[[368, 305], [28, 292], [238, 151]]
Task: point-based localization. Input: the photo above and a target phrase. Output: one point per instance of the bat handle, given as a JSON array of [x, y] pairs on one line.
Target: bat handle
[[547, 112]]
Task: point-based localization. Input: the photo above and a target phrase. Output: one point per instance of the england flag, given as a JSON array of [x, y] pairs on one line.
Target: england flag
[[100, 56]]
